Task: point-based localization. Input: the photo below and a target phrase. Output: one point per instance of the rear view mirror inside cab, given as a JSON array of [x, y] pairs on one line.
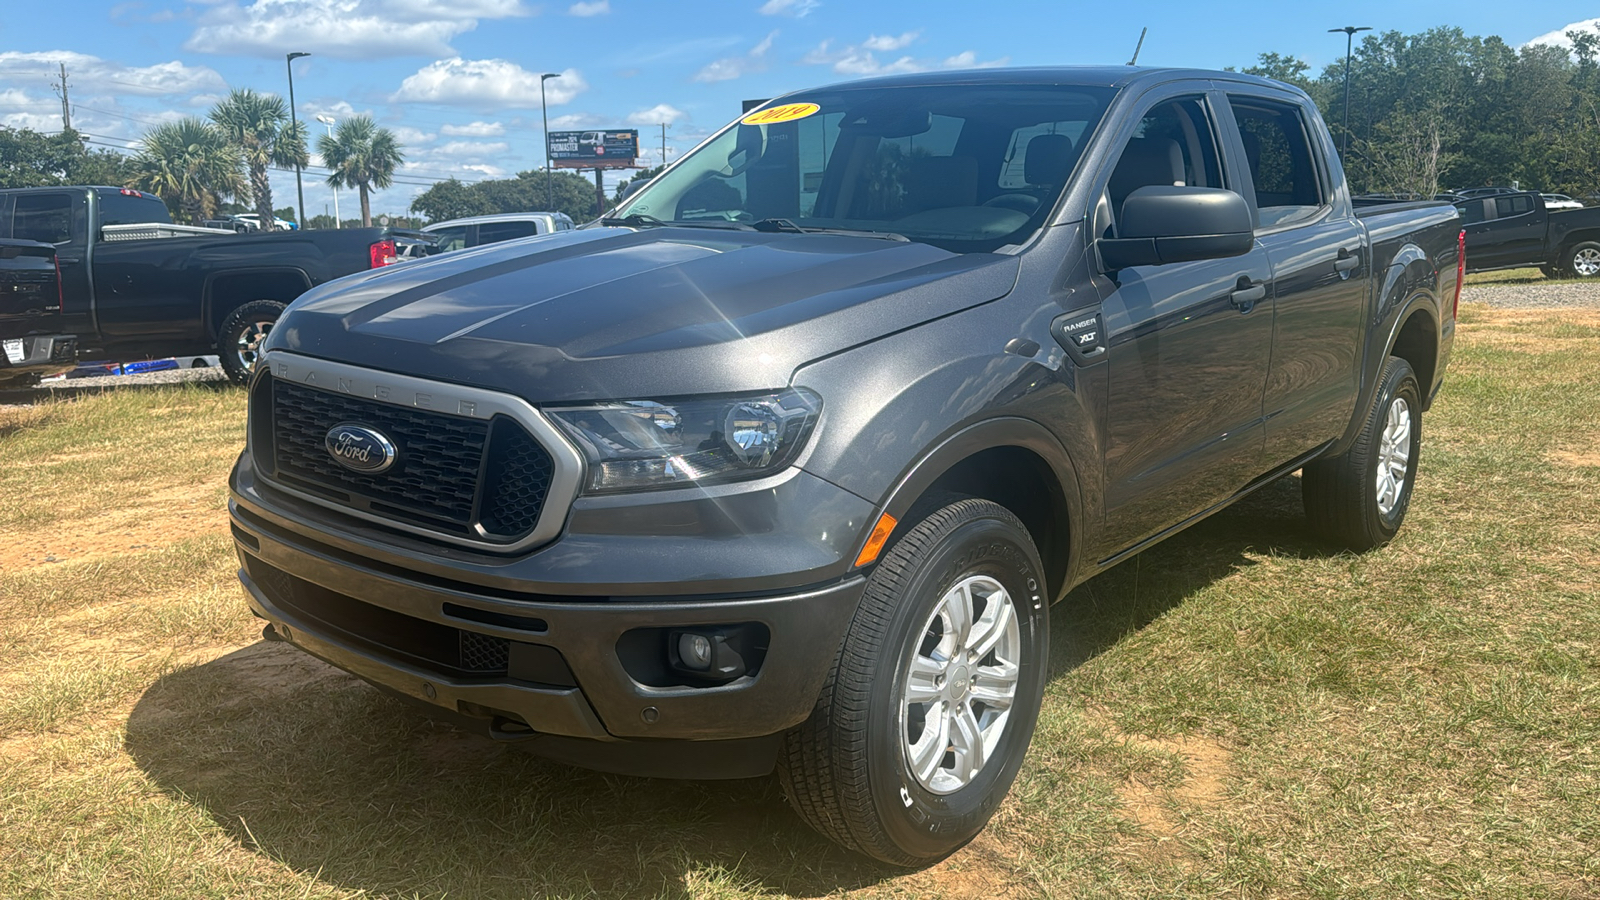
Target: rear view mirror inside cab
[[1163, 224], [890, 123]]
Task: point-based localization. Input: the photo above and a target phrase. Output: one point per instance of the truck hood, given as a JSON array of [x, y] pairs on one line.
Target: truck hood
[[619, 313]]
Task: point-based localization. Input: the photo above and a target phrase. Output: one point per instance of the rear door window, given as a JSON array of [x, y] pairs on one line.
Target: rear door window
[[1277, 147], [452, 238], [46, 218], [1514, 205], [492, 232]]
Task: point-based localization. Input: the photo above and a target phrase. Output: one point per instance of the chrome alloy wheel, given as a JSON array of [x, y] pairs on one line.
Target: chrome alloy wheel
[[960, 684], [1586, 262], [1394, 455], [250, 341]]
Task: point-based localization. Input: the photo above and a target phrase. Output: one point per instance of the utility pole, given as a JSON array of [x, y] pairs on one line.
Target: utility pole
[[544, 115], [66, 106], [1349, 44], [299, 188], [663, 145]]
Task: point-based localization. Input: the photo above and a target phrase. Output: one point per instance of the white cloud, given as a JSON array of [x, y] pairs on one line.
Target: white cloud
[[889, 43], [595, 8], [967, 59], [1558, 38], [731, 67], [576, 122], [470, 149], [348, 29], [486, 84], [23, 110], [861, 59], [92, 72], [797, 8], [475, 129], [655, 115], [411, 137]]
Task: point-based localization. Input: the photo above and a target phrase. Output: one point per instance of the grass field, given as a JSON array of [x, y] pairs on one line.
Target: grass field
[[1530, 275], [1241, 712]]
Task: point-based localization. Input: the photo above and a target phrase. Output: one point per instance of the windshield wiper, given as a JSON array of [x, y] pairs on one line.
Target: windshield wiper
[[635, 220], [640, 220], [788, 226]]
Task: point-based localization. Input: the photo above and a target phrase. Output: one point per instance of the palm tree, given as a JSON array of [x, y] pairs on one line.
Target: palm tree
[[260, 127], [187, 163], [362, 156]]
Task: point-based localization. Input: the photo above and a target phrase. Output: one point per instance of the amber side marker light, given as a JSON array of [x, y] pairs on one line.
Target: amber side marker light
[[880, 536]]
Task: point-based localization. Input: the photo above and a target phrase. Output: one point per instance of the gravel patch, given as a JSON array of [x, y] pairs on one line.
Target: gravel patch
[[1533, 296], [78, 386]]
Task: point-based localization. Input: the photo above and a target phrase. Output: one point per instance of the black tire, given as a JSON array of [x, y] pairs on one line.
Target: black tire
[[1342, 494], [846, 769], [1582, 259], [241, 334]]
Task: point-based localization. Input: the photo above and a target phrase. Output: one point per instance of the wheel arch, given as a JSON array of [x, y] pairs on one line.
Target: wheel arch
[[226, 291], [1016, 463]]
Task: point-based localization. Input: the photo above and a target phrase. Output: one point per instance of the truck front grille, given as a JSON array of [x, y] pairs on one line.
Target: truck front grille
[[451, 474]]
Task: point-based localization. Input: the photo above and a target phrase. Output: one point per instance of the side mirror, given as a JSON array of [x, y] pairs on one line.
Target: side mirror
[[634, 187], [1164, 224]]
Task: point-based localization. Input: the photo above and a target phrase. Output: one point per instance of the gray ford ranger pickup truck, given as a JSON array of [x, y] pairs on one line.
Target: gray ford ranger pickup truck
[[783, 463]]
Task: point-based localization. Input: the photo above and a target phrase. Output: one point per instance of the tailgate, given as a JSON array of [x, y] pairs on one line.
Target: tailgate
[[30, 299]]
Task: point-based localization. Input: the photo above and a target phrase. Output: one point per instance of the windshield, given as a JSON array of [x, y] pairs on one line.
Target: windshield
[[969, 168]]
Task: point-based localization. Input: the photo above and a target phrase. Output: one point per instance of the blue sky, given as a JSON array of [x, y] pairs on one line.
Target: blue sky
[[457, 80]]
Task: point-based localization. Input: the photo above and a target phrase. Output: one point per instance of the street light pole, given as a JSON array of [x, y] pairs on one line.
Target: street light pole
[[299, 188], [1349, 44], [328, 121], [544, 113]]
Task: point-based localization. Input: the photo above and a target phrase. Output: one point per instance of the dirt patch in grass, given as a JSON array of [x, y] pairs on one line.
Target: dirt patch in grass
[[1582, 459], [155, 519], [1202, 769]]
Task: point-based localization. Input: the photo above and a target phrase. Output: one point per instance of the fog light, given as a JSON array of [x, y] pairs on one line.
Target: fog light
[[695, 651], [714, 654]]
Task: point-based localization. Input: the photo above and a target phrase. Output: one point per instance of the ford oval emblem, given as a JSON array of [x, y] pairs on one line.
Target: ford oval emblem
[[359, 448]]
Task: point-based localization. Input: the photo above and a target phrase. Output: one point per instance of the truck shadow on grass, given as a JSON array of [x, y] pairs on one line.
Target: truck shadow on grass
[[318, 772]]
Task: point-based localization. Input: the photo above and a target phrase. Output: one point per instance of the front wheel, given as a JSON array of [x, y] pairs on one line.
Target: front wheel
[[242, 333], [924, 721], [1360, 498], [1583, 259]]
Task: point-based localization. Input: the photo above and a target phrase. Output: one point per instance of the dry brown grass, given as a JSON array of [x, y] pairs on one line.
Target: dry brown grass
[[1239, 712]]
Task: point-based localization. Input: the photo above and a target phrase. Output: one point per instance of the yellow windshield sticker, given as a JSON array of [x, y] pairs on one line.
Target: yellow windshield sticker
[[788, 112]]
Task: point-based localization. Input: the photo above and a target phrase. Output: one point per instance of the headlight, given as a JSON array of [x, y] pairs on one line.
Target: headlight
[[639, 444]]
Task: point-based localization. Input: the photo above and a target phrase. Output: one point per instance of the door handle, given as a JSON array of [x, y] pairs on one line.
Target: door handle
[[1247, 295], [1346, 261]]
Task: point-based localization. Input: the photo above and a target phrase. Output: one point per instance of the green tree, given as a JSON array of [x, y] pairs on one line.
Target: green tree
[[362, 156], [529, 191], [188, 163], [635, 178], [258, 126], [31, 159]]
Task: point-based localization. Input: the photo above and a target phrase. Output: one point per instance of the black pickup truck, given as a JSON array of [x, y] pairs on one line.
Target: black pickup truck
[[1512, 230], [31, 340], [785, 463], [135, 286]]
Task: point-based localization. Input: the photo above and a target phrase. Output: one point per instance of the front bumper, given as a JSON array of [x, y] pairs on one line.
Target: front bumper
[[37, 354], [377, 621]]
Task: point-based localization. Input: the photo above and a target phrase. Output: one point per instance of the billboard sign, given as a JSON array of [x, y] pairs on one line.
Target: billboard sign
[[593, 149]]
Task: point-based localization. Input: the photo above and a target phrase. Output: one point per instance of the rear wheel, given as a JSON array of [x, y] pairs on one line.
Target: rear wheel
[[1583, 259], [1360, 498], [924, 721], [242, 333]]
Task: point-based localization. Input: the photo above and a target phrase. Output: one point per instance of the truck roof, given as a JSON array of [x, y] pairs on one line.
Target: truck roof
[[1087, 76]]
